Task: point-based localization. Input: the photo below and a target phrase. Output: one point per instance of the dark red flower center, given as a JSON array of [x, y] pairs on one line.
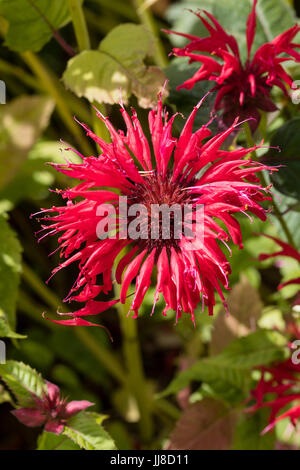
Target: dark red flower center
[[171, 197]]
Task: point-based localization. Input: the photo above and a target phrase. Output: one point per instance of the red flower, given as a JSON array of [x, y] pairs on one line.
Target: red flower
[[186, 171], [278, 387], [51, 410], [287, 250], [242, 89]]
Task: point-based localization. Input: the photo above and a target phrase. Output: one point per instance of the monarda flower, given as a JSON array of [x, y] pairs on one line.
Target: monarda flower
[[242, 89], [279, 389], [50, 411], [188, 170]]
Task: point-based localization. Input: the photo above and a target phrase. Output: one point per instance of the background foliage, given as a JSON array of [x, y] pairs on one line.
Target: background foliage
[[196, 378]]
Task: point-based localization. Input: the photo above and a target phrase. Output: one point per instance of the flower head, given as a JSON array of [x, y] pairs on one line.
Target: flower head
[[50, 411], [242, 89], [185, 171], [278, 388]]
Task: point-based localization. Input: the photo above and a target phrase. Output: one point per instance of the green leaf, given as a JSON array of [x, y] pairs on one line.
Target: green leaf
[[245, 308], [23, 381], [86, 431], [232, 367], [28, 27], [273, 17], [21, 123], [248, 432], [50, 441], [10, 269], [287, 138], [117, 68], [289, 207]]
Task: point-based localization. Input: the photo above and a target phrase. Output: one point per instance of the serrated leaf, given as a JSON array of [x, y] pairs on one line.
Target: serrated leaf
[[28, 28], [205, 425], [235, 362], [86, 431], [245, 307], [50, 441], [21, 123], [117, 68], [287, 138], [22, 380], [10, 269]]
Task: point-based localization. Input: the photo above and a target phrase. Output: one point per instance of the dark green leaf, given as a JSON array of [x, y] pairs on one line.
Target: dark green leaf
[[287, 138], [28, 27]]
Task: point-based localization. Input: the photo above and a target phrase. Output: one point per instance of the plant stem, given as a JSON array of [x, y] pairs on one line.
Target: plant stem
[[49, 82], [80, 27], [83, 42], [136, 378], [284, 226], [103, 355], [148, 21]]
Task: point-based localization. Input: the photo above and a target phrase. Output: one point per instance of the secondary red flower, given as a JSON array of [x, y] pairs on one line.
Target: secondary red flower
[[286, 250], [242, 88], [50, 411], [184, 170], [278, 387]]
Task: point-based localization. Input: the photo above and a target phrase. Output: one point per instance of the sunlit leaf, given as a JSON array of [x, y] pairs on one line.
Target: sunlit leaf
[[117, 68], [86, 430]]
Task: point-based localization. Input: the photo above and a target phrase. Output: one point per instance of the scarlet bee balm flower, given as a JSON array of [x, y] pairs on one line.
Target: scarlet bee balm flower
[[278, 388], [187, 169], [50, 411], [242, 89]]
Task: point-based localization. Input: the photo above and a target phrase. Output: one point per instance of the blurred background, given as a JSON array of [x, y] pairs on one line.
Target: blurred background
[[36, 45]]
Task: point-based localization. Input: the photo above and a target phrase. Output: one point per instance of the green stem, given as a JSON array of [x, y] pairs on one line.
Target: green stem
[[50, 84], [79, 23], [148, 21], [103, 355], [284, 226], [136, 378], [83, 41], [75, 104], [20, 73], [120, 7]]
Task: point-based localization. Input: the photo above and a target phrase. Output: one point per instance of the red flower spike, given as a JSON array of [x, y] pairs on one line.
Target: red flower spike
[[50, 411], [228, 185], [242, 89]]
